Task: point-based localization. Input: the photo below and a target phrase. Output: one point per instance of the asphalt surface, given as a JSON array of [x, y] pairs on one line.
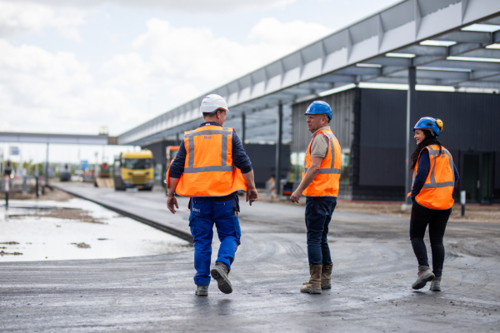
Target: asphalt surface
[[374, 268]]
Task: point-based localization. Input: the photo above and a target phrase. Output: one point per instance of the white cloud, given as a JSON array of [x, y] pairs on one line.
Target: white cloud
[[294, 33], [18, 18], [172, 65], [184, 53], [168, 65], [45, 92], [130, 72], [188, 6]]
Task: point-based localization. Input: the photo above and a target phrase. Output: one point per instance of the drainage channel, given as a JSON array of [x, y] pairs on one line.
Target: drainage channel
[[172, 231]]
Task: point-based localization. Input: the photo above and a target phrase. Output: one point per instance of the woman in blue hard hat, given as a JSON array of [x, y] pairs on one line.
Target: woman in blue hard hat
[[434, 179]]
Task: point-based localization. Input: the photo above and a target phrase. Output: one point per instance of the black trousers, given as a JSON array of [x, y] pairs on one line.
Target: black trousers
[[437, 220]]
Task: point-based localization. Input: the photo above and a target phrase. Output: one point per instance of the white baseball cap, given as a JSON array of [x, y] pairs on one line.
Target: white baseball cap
[[212, 103]]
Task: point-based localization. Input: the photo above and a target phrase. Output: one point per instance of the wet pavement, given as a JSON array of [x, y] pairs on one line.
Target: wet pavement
[[374, 268], [76, 229]]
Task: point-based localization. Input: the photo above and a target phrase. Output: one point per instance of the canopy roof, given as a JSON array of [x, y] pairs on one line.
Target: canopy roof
[[453, 44]]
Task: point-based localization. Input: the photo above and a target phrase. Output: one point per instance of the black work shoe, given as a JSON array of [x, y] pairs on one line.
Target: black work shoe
[[423, 277], [202, 290], [219, 273]]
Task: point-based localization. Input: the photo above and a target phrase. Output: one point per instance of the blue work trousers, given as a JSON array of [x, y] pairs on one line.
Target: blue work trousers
[[319, 212], [204, 214]]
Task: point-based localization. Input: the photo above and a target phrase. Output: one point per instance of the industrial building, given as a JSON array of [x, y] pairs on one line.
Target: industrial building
[[434, 58], [380, 74], [370, 125]]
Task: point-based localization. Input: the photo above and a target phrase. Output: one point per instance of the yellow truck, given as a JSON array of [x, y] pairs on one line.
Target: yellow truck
[[134, 170]]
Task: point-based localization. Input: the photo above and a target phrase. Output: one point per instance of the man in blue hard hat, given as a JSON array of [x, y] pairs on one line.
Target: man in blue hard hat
[[320, 184]]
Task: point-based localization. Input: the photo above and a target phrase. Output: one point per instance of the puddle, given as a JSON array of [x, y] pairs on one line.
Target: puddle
[[76, 229]]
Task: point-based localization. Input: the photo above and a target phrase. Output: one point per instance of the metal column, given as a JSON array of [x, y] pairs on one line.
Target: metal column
[[243, 128], [279, 137], [47, 167], [410, 106]]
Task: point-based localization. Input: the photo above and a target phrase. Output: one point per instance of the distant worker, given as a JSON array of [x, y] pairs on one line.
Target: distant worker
[[210, 167], [320, 184], [8, 169], [6, 173], [434, 178]]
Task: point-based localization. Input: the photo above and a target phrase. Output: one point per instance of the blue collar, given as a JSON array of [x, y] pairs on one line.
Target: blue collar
[[210, 123]]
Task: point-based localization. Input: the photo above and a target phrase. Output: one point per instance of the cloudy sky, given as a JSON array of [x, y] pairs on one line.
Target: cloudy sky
[[73, 66]]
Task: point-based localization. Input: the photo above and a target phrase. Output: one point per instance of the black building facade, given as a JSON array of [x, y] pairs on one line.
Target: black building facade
[[262, 157], [370, 125]]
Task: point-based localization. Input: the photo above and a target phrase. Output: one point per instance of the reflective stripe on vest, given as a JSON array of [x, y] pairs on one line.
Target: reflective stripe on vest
[[433, 184], [326, 181], [437, 194], [208, 167], [332, 169], [226, 132]]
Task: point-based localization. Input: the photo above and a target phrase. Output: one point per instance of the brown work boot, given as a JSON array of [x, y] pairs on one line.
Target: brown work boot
[[314, 284], [326, 275]]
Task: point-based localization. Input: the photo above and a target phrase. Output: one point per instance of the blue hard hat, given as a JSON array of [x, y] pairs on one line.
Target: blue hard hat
[[429, 123], [318, 107]]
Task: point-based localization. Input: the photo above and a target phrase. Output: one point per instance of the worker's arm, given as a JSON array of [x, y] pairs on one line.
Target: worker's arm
[[457, 176], [171, 199], [242, 162], [252, 194], [176, 167], [424, 166], [308, 178]]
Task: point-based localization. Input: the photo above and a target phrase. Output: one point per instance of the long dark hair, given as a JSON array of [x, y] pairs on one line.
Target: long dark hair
[[429, 140]]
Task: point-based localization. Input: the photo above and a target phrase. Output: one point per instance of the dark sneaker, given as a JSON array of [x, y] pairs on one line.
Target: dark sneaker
[[423, 277], [435, 285], [219, 273], [202, 290]]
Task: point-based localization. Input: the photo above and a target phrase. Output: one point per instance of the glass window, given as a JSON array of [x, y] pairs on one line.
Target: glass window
[[173, 153], [344, 171], [297, 162], [138, 163]]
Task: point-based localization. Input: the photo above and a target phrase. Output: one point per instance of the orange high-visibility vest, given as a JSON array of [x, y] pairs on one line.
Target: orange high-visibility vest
[[326, 182], [437, 192], [208, 167]]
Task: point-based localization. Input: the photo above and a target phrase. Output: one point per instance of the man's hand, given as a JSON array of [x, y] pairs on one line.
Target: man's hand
[[296, 196], [308, 178], [252, 195], [171, 202]]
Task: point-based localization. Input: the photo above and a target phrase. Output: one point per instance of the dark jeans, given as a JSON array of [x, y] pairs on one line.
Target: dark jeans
[[319, 212], [437, 220]]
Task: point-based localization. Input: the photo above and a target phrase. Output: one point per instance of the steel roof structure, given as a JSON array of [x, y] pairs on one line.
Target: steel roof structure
[[452, 44], [51, 138]]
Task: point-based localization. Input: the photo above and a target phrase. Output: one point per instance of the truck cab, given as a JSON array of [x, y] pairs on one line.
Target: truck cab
[[134, 170], [170, 153]]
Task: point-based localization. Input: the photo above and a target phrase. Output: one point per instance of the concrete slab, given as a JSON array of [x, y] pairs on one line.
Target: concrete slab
[[374, 268]]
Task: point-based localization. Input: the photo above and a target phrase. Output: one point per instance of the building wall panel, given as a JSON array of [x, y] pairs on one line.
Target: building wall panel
[[342, 123], [471, 123]]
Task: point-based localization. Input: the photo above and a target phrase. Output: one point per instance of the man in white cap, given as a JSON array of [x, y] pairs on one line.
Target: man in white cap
[[211, 166]]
